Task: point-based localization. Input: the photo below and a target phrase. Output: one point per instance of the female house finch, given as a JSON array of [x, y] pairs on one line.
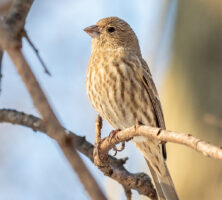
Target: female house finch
[[120, 88]]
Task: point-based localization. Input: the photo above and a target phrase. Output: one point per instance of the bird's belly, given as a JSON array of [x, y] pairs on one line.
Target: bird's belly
[[118, 112], [125, 112], [111, 107]]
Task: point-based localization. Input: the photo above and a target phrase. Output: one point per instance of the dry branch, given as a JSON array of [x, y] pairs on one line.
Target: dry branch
[[11, 30], [1, 56], [101, 160], [139, 181], [37, 53], [128, 193], [162, 135]]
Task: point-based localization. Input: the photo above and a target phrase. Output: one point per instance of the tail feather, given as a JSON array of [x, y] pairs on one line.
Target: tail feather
[[164, 185]]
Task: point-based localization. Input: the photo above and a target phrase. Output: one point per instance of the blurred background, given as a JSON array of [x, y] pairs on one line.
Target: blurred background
[[181, 40]]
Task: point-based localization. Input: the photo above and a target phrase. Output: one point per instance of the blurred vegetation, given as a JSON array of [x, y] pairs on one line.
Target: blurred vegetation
[[192, 90]]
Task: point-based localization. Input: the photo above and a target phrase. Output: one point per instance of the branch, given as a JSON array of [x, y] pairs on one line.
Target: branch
[[139, 181], [37, 53], [101, 160], [11, 30], [1, 56], [162, 135], [128, 193]]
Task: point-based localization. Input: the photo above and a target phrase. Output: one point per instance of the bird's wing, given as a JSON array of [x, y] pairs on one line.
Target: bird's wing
[[153, 94], [164, 184], [147, 80]]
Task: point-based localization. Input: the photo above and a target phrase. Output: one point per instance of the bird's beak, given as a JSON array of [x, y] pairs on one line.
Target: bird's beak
[[93, 31]]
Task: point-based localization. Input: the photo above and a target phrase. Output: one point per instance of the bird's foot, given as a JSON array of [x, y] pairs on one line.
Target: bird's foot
[[111, 136], [113, 133], [119, 150]]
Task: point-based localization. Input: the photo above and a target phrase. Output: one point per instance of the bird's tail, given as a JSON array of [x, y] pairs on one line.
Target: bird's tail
[[164, 185]]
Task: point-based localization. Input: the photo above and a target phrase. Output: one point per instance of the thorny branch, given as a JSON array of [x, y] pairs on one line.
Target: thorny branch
[[139, 181], [11, 30]]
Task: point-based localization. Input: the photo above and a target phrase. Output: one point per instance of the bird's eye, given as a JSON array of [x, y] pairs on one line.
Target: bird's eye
[[110, 29]]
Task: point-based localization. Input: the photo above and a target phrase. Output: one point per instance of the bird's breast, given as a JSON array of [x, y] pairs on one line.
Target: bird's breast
[[117, 93]]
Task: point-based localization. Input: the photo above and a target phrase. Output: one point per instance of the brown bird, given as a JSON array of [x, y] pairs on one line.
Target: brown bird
[[121, 89]]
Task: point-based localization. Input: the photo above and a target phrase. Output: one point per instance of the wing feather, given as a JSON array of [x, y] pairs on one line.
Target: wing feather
[[145, 75]]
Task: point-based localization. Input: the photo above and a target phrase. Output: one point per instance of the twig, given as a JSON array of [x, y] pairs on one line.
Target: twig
[[140, 182], [1, 56], [99, 125], [128, 193], [37, 53], [10, 41], [100, 160], [162, 135]]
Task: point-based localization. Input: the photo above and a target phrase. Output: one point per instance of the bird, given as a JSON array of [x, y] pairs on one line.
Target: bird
[[121, 89]]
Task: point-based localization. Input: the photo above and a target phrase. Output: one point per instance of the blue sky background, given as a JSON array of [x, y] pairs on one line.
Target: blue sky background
[[32, 166]]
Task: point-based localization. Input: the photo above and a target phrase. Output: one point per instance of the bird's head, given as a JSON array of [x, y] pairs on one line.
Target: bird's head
[[112, 33]]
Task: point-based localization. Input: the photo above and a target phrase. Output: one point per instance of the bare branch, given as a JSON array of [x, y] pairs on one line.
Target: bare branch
[[128, 193], [37, 53], [101, 160], [1, 56], [10, 40], [162, 135], [139, 181]]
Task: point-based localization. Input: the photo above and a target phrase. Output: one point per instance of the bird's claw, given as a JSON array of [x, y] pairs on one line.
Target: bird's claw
[[113, 133], [119, 150], [111, 136]]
